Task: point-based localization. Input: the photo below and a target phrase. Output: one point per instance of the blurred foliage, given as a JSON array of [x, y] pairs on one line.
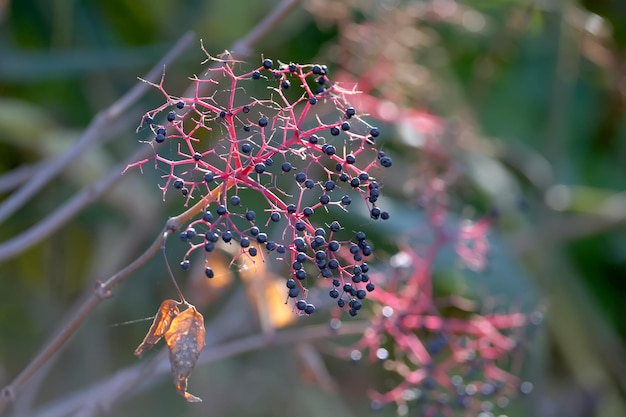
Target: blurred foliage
[[538, 87]]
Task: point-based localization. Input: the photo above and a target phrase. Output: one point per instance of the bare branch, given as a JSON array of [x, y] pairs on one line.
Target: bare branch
[[103, 394], [93, 134], [104, 290]]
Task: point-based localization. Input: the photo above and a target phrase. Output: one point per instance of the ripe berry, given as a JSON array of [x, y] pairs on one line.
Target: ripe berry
[[375, 132], [299, 244], [386, 161], [184, 191], [300, 226], [300, 177], [334, 293], [350, 159], [235, 200], [324, 199], [160, 138], [345, 126], [375, 213], [384, 215], [185, 264], [178, 184], [334, 131], [307, 212], [312, 101], [317, 70], [309, 184], [245, 109], [245, 242], [300, 274], [355, 182], [350, 112], [346, 200], [294, 292], [259, 168], [370, 287], [301, 305], [286, 167], [227, 236], [285, 84], [267, 63], [252, 251], [291, 283], [291, 208], [263, 121], [314, 139], [246, 148], [333, 246], [256, 75], [275, 217], [361, 294], [250, 215], [329, 186], [309, 309], [171, 116], [208, 272], [261, 238], [333, 264], [209, 176], [335, 226], [292, 67], [197, 156]]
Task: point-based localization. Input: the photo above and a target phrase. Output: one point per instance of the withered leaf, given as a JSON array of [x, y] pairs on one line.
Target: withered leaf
[[185, 341], [162, 321]]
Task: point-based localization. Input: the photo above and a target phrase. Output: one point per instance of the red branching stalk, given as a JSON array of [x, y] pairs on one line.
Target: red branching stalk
[[230, 143]]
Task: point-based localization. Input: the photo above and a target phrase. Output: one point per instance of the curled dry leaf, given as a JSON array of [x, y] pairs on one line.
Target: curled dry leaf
[[185, 341], [162, 321], [184, 334]]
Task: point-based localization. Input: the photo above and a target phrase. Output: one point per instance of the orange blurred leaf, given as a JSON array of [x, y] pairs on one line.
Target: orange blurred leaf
[[162, 321], [185, 341]]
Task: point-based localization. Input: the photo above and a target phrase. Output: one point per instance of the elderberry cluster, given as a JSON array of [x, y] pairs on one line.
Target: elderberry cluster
[[268, 173]]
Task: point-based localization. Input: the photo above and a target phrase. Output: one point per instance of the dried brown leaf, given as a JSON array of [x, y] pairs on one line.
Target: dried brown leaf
[[162, 321], [185, 341]]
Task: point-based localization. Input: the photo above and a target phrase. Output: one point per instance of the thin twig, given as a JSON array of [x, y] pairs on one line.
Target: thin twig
[[92, 135], [65, 212], [104, 290], [88, 195], [117, 386]]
